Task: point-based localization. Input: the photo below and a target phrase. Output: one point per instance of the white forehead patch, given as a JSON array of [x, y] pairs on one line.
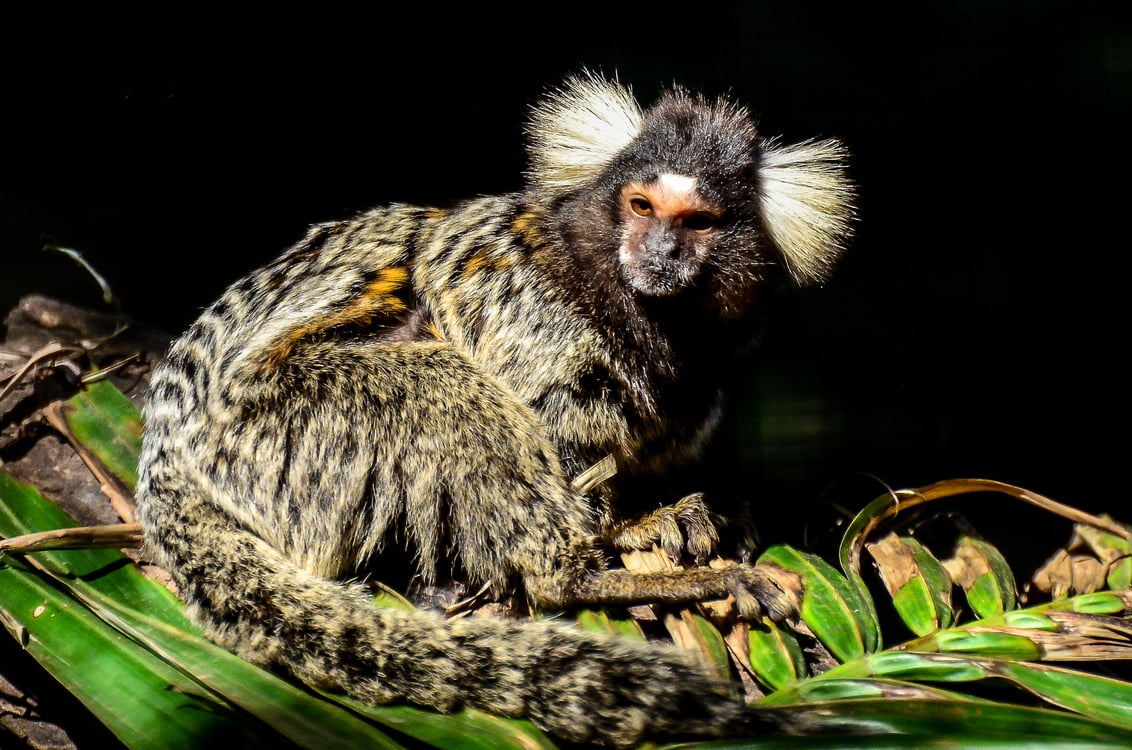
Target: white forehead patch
[[677, 183]]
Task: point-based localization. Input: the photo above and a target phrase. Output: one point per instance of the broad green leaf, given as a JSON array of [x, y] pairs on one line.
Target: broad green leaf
[[468, 728], [306, 720], [1102, 699], [983, 643], [958, 722], [916, 580], [831, 606], [600, 621], [920, 607], [905, 665], [776, 657], [1099, 697], [929, 667], [155, 623], [827, 691], [23, 511], [1025, 620], [836, 690], [1100, 603], [980, 570], [108, 424], [1092, 695], [143, 700]]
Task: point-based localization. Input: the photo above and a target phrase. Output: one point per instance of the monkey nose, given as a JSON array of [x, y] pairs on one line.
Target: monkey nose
[[662, 246]]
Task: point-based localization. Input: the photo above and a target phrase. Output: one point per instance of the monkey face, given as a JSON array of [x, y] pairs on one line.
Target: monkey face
[[668, 230]]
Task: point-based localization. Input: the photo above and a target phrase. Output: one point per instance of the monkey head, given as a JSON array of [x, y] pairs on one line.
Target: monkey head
[[686, 196]]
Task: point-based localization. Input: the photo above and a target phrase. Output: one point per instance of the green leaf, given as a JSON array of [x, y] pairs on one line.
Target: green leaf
[[984, 643], [918, 583], [468, 728], [838, 690], [600, 621], [930, 667], [983, 574], [1026, 620], [304, 719], [1092, 695], [24, 510], [958, 722], [831, 606], [145, 702], [776, 656], [1101, 698], [1100, 603], [108, 424], [140, 611]]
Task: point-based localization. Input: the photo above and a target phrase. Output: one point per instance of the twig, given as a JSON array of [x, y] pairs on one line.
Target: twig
[[595, 475], [121, 499], [49, 351], [115, 536], [104, 372], [906, 499]]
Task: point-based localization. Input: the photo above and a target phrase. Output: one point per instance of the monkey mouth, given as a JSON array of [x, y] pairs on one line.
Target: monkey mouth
[[654, 278]]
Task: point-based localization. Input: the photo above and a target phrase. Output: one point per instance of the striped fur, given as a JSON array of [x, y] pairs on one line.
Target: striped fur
[[429, 380]]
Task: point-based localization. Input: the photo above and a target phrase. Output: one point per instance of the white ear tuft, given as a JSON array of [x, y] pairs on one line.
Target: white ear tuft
[[577, 129], [807, 205]]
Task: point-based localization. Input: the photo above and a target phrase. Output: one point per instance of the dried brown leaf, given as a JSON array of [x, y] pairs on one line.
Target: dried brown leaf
[[1065, 574]]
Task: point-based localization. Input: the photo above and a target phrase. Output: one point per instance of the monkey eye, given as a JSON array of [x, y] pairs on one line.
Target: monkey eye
[[640, 206], [701, 221]]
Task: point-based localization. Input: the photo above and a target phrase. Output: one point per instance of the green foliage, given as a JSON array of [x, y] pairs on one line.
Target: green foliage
[[121, 643]]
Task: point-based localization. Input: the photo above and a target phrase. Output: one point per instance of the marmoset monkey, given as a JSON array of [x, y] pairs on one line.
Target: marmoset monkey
[[435, 377]]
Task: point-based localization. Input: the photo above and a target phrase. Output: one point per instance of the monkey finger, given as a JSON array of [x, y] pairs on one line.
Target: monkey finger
[[758, 592], [747, 604], [699, 526], [671, 536], [778, 590]]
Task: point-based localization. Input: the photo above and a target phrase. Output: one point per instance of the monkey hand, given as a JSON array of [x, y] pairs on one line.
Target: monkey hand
[[688, 526]]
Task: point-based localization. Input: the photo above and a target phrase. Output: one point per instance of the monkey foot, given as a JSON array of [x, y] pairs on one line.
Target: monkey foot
[[762, 589]]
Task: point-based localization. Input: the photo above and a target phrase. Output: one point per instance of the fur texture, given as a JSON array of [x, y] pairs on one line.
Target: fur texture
[[427, 379]]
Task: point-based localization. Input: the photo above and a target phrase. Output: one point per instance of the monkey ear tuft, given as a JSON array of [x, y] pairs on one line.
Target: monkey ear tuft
[[808, 205], [576, 130]]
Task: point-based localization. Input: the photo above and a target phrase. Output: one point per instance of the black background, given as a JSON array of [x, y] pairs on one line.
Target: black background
[[977, 327]]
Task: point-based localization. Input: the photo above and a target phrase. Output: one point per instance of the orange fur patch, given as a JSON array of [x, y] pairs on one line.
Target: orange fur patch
[[381, 298]]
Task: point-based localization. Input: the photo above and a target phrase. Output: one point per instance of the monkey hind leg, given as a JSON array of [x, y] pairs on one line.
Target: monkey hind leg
[[410, 438], [578, 686]]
